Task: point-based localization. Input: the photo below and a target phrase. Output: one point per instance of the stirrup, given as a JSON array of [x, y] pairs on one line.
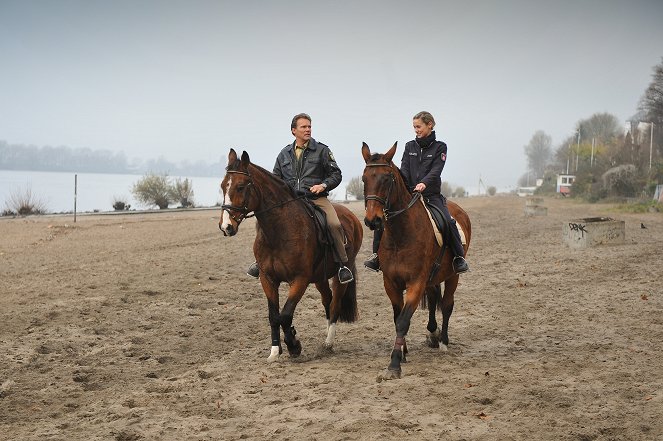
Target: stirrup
[[253, 270], [373, 263], [460, 265], [345, 275]]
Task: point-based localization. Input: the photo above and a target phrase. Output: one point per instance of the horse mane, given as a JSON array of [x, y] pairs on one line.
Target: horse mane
[[377, 156], [262, 171]]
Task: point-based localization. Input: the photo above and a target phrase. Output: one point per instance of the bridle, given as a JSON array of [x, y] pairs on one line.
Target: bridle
[[386, 206], [244, 209], [244, 212]]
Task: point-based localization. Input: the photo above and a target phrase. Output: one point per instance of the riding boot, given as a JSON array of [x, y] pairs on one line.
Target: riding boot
[[253, 270], [459, 263], [373, 262]]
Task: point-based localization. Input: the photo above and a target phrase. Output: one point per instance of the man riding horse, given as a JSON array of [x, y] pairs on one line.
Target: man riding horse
[[309, 166]]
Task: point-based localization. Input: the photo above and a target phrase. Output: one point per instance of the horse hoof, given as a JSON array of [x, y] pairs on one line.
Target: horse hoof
[[389, 374], [328, 347], [295, 350], [444, 348], [274, 354], [433, 339]]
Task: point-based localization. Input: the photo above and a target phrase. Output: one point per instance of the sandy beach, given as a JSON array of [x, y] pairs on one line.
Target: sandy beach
[[145, 327]]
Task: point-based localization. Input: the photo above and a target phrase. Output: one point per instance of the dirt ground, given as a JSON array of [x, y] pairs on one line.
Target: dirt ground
[[145, 327]]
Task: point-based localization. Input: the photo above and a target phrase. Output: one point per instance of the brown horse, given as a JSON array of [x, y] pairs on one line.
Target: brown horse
[[287, 248], [408, 253]]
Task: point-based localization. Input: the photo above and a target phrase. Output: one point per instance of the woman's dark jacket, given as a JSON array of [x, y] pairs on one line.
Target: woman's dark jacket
[[423, 161]]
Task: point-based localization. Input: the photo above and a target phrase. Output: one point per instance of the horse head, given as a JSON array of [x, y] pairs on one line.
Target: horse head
[[379, 178], [239, 194]]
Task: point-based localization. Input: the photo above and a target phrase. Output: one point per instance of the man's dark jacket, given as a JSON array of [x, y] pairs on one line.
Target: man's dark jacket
[[318, 166]]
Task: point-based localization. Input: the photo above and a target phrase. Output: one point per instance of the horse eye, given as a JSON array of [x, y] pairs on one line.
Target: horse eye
[[240, 188]]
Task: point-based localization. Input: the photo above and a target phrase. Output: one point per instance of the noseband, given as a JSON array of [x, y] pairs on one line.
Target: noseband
[[386, 206]]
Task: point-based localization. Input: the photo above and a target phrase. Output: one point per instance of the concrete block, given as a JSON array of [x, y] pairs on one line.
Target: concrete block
[[592, 231], [535, 210]]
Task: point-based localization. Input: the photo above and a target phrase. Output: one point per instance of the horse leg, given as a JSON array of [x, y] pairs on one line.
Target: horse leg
[[402, 316], [272, 293], [433, 295], [295, 294], [447, 308], [327, 302]]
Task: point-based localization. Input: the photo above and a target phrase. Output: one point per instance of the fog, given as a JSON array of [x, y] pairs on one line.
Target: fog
[[189, 80]]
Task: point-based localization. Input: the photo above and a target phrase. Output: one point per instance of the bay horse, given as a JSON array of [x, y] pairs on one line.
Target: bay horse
[[408, 252], [287, 249]]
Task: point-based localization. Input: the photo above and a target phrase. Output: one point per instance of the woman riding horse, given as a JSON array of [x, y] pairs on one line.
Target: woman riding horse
[[421, 166], [411, 260]]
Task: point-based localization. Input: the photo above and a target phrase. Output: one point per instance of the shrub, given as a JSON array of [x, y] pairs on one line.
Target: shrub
[[459, 192], [23, 203], [621, 181], [154, 189], [120, 203], [492, 190], [182, 191]]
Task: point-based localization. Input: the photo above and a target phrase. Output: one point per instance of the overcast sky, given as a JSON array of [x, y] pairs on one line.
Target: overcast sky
[[190, 79]]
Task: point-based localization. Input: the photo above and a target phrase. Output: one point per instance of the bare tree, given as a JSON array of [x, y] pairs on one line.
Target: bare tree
[[651, 105], [538, 152], [356, 188]]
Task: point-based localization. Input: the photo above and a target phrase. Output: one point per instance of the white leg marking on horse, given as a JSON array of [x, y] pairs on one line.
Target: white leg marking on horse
[[443, 347], [274, 355], [226, 201], [331, 334]]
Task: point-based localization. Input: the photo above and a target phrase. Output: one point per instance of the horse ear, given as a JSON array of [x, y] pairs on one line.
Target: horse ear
[[245, 159], [365, 152], [390, 154], [232, 156]]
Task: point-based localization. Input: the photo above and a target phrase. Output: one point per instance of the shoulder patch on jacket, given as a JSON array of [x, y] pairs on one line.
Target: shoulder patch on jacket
[[443, 156], [331, 155]]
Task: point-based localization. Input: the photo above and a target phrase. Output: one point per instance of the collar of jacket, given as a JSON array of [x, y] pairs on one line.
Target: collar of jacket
[[312, 145], [427, 141]]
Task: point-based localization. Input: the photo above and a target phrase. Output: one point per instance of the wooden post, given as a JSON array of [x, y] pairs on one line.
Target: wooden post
[[75, 194]]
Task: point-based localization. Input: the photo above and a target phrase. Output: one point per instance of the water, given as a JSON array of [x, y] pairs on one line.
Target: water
[[96, 191]]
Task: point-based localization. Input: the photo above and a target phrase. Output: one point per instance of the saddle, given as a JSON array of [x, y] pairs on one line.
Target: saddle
[[441, 225], [323, 235]]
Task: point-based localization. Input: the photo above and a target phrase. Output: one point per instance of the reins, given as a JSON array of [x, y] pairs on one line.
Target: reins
[[388, 214]]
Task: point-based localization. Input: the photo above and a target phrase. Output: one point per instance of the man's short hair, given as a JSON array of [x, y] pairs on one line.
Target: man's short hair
[[297, 117]]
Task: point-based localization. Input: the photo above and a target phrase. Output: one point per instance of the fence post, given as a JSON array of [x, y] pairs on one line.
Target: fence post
[[75, 194]]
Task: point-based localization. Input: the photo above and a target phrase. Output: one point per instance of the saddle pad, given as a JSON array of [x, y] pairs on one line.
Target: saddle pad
[[438, 235]]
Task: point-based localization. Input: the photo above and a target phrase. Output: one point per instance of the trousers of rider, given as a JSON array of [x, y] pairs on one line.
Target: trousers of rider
[[456, 244], [334, 226]]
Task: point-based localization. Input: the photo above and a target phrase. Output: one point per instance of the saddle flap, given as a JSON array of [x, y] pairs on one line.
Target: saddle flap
[[320, 221], [440, 225]]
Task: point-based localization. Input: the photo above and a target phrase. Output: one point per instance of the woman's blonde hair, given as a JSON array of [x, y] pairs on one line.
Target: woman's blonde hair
[[426, 117]]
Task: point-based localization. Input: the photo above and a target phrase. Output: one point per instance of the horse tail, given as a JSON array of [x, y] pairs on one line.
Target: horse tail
[[432, 298], [349, 312]]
